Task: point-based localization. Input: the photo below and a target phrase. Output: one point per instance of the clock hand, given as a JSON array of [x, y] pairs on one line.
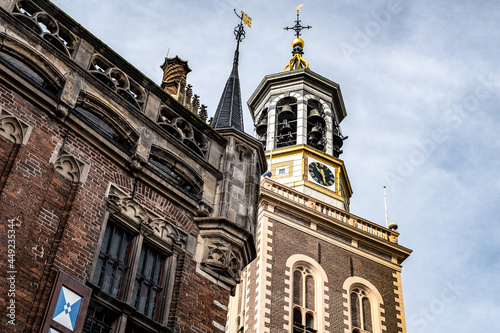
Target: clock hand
[[322, 172]]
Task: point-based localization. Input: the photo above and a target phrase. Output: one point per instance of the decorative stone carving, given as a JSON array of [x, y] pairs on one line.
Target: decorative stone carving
[[176, 171], [148, 222], [69, 167], [13, 129], [46, 26], [136, 163], [61, 110], [183, 131], [189, 95], [204, 208], [195, 104], [203, 114], [118, 81], [181, 94], [222, 257], [169, 233]]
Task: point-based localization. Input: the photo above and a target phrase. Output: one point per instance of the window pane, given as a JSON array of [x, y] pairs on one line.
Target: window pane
[[147, 281], [98, 320], [355, 315], [367, 315], [111, 264], [297, 288], [297, 317], [133, 328], [309, 320], [310, 292]]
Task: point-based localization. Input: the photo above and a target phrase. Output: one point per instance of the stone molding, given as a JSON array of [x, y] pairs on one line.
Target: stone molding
[[224, 249], [119, 203]]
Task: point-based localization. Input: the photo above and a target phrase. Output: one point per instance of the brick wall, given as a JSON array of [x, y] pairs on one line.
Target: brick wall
[[336, 262], [58, 223]]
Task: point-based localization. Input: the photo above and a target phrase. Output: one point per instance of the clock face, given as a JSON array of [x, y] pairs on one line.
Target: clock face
[[321, 174]]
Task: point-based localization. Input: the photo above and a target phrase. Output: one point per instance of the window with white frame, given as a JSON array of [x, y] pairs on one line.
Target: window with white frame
[[306, 283], [282, 171], [364, 310], [304, 299], [361, 312]]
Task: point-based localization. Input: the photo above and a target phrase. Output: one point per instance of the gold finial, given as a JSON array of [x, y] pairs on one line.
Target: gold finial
[[298, 42], [298, 45]]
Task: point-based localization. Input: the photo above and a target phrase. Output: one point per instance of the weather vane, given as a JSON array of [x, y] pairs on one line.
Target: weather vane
[[298, 46], [298, 27], [239, 31]]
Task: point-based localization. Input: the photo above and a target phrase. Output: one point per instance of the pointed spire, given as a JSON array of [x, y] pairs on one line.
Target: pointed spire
[[229, 113]]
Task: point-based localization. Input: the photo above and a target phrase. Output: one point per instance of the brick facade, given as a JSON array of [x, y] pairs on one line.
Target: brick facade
[[58, 223], [87, 145], [337, 246]]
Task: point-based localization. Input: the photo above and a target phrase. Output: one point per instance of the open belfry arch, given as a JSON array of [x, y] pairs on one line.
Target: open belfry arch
[[319, 268]]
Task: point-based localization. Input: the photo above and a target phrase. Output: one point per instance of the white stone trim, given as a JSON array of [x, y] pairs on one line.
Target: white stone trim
[[398, 290], [377, 302], [263, 275], [328, 239], [320, 279]]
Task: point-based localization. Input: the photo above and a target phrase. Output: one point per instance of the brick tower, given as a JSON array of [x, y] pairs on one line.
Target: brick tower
[[319, 268]]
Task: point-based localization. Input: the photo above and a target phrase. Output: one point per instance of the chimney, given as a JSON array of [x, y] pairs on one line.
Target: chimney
[[175, 70]]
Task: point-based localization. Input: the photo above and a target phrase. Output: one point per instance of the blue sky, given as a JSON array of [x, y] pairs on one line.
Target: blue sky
[[420, 82]]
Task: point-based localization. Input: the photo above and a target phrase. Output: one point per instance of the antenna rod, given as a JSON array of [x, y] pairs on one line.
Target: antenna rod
[[386, 216]]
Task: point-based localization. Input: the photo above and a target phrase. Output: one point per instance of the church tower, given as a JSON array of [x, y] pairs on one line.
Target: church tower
[[319, 268]]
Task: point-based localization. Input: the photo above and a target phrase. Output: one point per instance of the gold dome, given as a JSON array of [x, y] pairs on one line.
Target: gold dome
[[298, 42]]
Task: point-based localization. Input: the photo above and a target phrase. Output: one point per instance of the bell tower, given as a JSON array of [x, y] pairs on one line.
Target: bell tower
[[318, 267], [297, 115]]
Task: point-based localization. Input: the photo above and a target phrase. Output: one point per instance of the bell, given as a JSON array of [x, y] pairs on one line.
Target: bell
[[320, 145], [286, 130], [286, 113], [337, 141], [315, 118], [261, 128], [315, 133]]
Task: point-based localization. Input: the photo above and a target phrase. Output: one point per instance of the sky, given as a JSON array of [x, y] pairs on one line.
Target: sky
[[421, 85]]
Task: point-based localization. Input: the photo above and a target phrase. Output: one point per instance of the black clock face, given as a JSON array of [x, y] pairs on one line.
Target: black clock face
[[321, 174]]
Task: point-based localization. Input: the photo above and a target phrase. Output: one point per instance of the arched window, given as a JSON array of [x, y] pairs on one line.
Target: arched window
[[364, 309], [106, 122], [304, 299], [305, 287], [286, 125], [38, 73], [361, 312]]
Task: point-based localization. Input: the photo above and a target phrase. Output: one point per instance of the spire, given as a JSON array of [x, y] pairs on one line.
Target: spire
[[298, 45], [229, 113]]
